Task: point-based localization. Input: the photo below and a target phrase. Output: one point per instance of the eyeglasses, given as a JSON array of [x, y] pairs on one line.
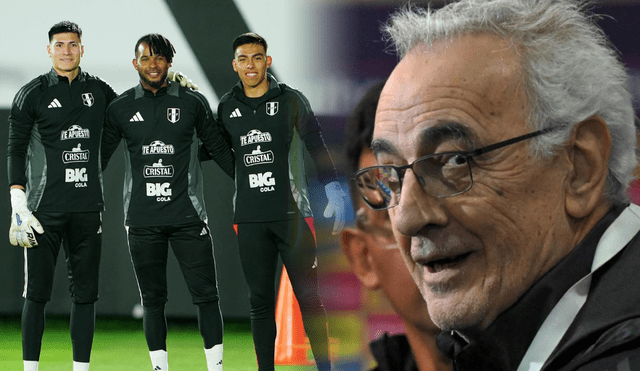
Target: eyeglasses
[[441, 175]]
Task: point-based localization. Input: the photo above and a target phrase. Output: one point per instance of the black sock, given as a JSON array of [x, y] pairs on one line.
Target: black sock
[[32, 329], [83, 320], [210, 323], [155, 327]]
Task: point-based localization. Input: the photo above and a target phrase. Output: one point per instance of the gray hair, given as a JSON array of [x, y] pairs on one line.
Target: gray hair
[[570, 71]]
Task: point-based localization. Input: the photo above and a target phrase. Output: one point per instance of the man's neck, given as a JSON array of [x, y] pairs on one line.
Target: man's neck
[[426, 354]]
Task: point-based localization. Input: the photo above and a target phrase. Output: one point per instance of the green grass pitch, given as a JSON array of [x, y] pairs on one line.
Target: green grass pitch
[[119, 344]]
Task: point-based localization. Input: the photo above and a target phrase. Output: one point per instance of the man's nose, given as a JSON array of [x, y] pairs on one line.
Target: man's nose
[[416, 209]]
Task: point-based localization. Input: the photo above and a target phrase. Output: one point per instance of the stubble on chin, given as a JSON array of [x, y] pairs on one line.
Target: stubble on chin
[[153, 84], [449, 312]]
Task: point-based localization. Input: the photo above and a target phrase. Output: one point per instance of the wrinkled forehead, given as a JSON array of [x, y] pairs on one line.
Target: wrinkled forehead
[[469, 89]]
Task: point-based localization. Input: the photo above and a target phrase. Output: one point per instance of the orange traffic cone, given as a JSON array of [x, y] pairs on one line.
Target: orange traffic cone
[[291, 342]]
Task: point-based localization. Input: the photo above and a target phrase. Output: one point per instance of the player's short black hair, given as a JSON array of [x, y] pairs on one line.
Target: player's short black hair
[[158, 44], [359, 130], [64, 27], [249, 38]]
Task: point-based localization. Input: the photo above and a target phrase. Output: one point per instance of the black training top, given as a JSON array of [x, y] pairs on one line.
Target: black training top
[[54, 142], [269, 135], [163, 179]]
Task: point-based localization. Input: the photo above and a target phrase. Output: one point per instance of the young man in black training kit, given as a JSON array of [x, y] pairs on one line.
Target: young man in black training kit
[[162, 123], [53, 154], [268, 123]]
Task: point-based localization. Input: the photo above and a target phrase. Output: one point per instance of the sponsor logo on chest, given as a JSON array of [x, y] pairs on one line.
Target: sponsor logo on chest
[[74, 132], [161, 191], [264, 181], [77, 154], [255, 136], [158, 170], [257, 157], [157, 147], [77, 176]]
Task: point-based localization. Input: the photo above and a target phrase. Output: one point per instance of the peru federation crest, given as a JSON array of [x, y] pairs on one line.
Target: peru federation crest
[[173, 115], [87, 99], [272, 108]]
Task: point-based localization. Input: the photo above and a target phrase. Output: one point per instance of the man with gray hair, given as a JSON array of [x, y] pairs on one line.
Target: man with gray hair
[[515, 121]]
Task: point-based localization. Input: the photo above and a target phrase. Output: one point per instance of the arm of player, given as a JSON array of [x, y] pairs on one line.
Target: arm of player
[[111, 137], [23, 223], [212, 135], [21, 121], [311, 134]]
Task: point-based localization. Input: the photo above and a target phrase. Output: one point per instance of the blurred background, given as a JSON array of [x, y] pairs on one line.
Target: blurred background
[[331, 50]]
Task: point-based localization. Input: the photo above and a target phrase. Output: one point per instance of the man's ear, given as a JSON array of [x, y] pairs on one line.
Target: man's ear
[[355, 248], [589, 151]]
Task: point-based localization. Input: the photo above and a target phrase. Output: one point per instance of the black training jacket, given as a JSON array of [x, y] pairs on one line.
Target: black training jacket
[[163, 180], [54, 142], [269, 136]]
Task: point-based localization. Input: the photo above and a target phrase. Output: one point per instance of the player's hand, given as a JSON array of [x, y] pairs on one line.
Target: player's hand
[[182, 79], [337, 205], [23, 223]]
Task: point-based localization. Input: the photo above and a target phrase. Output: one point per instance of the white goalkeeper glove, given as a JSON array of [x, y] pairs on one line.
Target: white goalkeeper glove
[[337, 205], [182, 79], [23, 223]]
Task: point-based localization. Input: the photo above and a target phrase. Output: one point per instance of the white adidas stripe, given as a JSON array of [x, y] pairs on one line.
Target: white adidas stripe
[[235, 113], [54, 104], [137, 117]]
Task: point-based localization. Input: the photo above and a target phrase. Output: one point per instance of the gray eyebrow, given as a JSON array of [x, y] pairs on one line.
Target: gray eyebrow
[[383, 146], [431, 135], [446, 130]]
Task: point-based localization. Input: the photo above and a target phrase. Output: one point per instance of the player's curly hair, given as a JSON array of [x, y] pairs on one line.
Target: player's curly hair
[[158, 44], [570, 71], [64, 27]]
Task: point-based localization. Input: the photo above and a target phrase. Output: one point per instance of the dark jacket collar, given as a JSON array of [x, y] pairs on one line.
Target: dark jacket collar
[[504, 343], [393, 353], [170, 89], [53, 78]]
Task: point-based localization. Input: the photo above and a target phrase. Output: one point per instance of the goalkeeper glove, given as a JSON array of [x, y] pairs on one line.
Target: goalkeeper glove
[[23, 223], [182, 79], [336, 206]]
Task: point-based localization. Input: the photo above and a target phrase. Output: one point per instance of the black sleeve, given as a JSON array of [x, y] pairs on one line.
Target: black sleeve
[[21, 120], [111, 136], [311, 134], [109, 93], [213, 140]]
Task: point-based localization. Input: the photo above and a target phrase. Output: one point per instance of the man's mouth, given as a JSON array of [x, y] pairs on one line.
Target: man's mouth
[[435, 266]]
